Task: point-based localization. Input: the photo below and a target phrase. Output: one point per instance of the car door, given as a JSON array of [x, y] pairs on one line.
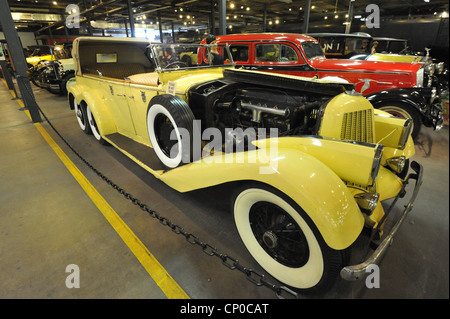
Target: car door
[[115, 94], [279, 57], [139, 97]]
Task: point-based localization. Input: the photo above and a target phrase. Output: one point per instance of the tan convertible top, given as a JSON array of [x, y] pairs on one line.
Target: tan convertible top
[[126, 50]]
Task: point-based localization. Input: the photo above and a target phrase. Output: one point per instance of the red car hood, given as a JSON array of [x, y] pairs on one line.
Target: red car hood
[[358, 65]]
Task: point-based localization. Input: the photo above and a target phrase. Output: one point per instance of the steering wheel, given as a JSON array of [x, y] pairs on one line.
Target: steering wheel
[[177, 64]]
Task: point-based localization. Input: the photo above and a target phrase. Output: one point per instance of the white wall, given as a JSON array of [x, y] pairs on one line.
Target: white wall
[[27, 38]]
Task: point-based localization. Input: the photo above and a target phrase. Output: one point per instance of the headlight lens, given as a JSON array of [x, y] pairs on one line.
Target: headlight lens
[[430, 68], [397, 164], [440, 67], [367, 202]]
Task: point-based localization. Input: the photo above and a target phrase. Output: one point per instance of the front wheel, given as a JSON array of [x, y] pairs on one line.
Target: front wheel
[[35, 77], [404, 111], [284, 241]]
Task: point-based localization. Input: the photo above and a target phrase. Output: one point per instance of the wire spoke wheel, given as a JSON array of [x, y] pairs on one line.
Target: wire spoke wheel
[[163, 128], [278, 234], [283, 239]]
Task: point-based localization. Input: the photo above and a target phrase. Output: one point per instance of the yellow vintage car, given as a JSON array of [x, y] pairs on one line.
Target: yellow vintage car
[[310, 160], [41, 56], [40, 53]]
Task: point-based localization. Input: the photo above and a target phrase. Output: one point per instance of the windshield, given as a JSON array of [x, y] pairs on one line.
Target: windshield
[[355, 45], [312, 50], [181, 56], [41, 50]]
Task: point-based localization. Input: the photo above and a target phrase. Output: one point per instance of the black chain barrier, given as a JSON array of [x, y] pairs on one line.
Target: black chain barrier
[[255, 277]]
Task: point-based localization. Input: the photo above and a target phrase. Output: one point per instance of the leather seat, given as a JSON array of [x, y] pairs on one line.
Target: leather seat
[[144, 79]]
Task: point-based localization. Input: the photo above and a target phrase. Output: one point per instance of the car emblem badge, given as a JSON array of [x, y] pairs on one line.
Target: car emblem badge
[[143, 96]]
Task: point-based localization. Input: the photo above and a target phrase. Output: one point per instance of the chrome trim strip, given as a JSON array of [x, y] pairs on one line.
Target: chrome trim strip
[[406, 133], [376, 163]]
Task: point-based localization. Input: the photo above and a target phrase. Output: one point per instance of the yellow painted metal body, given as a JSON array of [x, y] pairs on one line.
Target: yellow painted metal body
[[321, 174], [35, 59], [394, 57], [185, 79], [302, 177]]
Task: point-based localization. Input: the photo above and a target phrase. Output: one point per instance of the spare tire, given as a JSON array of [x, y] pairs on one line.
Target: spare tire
[[170, 125]]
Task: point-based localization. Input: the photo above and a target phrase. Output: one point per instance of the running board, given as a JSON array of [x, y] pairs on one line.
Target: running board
[[142, 154]]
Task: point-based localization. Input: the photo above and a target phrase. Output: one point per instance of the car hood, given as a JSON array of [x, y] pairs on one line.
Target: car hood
[[358, 65], [184, 79], [35, 59]]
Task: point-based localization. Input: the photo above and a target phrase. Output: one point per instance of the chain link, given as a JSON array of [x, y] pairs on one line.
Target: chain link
[[255, 277]]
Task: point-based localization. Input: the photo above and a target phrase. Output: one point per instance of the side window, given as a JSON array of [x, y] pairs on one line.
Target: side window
[[267, 52], [288, 54], [106, 57], [239, 53]]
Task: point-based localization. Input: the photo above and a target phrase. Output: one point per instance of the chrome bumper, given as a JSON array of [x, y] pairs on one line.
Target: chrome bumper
[[360, 271]]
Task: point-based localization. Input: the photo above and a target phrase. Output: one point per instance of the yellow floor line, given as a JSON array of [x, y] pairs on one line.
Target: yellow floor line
[[162, 278]]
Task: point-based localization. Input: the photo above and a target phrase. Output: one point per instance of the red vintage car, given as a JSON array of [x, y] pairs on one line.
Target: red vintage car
[[301, 55], [391, 86]]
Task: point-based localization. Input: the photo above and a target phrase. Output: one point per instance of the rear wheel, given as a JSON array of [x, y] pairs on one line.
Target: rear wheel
[[93, 125], [80, 112], [284, 241]]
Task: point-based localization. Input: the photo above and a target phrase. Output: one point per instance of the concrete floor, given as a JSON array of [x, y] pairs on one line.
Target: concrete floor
[[48, 222]]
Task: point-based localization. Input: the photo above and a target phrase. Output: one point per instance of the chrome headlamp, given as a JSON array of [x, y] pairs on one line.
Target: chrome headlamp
[[397, 164], [430, 68], [440, 67], [367, 202]]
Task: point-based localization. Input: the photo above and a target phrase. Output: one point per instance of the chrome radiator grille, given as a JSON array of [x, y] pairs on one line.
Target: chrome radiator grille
[[358, 126]]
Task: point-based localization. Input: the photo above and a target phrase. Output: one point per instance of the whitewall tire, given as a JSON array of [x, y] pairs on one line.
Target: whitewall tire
[[93, 126], [80, 112], [170, 128], [283, 240]]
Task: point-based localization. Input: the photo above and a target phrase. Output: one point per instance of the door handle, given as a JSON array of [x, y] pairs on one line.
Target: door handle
[[121, 95]]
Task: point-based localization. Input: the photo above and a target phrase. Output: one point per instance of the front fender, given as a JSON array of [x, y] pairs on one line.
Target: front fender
[[305, 179], [94, 99], [410, 96], [71, 82]]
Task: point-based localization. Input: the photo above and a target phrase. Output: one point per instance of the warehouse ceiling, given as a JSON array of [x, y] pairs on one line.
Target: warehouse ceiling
[[241, 15]]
